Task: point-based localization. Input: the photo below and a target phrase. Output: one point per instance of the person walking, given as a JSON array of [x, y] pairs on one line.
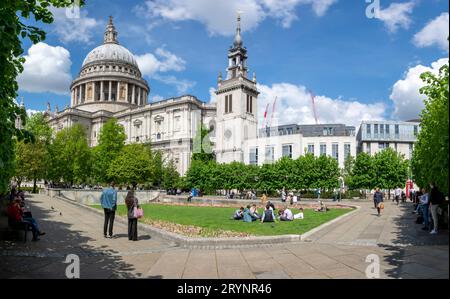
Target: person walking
[[108, 200], [378, 199], [398, 194], [436, 198], [132, 202]]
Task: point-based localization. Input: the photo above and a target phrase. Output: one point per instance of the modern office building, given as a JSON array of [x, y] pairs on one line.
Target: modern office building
[[374, 136]]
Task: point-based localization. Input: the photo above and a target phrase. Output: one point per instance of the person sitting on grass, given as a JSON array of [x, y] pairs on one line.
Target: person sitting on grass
[[239, 214], [16, 212], [322, 207], [248, 217], [299, 215], [286, 215], [254, 212], [268, 215]]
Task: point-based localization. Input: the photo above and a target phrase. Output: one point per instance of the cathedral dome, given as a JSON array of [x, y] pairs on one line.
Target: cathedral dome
[[110, 51]]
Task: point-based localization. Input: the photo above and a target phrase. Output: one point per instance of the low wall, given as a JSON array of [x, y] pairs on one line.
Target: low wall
[[92, 197]]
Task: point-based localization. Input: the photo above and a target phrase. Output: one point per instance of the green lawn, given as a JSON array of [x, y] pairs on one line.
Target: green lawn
[[215, 218]]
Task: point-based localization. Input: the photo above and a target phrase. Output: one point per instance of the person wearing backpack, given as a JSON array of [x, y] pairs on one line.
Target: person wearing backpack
[[131, 202], [436, 198]]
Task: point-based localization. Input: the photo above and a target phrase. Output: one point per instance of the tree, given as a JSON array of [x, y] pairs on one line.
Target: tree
[[203, 149], [111, 141], [327, 172], [347, 172], [132, 166], [32, 158], [170, 175], [71, 156], [363, 173], [12, 33], [390, 168], [430, 156]]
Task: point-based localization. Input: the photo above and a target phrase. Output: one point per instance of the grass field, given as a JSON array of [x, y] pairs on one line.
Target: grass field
[[218, 218]]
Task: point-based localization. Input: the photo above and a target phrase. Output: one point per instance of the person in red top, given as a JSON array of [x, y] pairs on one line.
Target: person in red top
[[16, 212]]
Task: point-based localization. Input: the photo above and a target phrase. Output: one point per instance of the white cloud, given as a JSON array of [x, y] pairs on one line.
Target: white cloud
[[31, 112], [435, 33], [164, 61], [212, 95], [80, 29], [294, 105], [46, 69], [156, 98], [219, 16], [182, 86], [408, 101], [397, 15]]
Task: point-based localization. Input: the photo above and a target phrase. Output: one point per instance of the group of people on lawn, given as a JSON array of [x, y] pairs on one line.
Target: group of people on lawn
[[250, 214]]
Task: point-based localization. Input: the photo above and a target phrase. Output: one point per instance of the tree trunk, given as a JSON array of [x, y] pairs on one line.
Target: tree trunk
[[389, 194], [34, 186]]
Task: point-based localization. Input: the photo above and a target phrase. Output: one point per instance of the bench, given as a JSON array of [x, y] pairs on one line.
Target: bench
[[19, 226]]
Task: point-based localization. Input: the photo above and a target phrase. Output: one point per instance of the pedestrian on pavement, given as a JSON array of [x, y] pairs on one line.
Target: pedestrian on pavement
[[425, 206], [436, 198], [132, 202], [398, 194], [283, 195], [108, 200], [378, 199]]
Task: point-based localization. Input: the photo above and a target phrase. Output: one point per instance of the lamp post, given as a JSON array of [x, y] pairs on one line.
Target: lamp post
[[341, 186]]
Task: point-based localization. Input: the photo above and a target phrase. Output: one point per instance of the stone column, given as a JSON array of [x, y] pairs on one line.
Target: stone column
[[102, 97], [133, 95], [109, 92], [126, 93], [118, 92], [139, 95], [78, 94], [85, 92], [93, 91]]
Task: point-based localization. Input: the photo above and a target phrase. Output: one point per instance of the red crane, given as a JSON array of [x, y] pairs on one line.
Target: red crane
[[273, 110]]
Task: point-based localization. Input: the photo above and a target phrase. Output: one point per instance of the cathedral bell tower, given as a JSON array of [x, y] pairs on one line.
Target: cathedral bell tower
[[236, 104]]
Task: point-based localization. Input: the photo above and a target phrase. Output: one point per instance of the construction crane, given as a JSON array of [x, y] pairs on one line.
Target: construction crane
[[273, 110], [265, 116], [313, 100]]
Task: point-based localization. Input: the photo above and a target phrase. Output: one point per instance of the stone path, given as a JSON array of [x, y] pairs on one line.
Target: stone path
[[337, 251]]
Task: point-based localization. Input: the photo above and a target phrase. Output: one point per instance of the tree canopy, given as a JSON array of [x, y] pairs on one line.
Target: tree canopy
[[430, 156], [12, 33]]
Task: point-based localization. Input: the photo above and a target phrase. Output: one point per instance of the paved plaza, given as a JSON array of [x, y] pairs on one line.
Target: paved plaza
[[336, 251]]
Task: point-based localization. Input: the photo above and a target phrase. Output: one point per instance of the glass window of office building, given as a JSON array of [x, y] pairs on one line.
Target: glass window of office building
[[381, 130], [253, 159], [397, 131], [416, 130], [269, 154], [375, 131], [387, 130], [287, 151], [335, 151], [368, 128], [347, 150], [311, 149], [383, 145], [323, 149]]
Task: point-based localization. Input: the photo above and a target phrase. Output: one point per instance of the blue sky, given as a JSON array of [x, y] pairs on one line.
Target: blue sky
[[352, 63]]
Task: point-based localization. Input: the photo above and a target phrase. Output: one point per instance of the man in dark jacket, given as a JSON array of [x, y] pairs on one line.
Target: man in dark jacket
[[378, 199], [436, 198]]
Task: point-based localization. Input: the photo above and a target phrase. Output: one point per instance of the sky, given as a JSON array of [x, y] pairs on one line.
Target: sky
[[361, 59]]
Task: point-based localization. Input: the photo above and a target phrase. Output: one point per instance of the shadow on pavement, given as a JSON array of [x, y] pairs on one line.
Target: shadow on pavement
[[45, 258], [415, 253]]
